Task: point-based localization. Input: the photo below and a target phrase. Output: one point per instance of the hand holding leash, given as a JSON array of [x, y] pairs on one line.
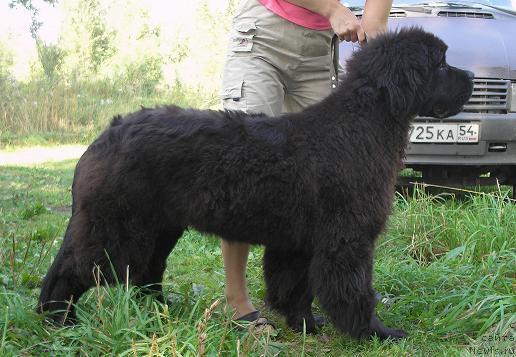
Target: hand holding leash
[[346, 25]]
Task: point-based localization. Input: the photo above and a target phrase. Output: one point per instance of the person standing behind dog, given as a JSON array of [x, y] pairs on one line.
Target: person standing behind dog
[[280, 60]]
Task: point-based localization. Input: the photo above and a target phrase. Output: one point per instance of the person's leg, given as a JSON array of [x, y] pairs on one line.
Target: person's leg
[[248, 95], [243, 89], [313, 79], [235, 262]]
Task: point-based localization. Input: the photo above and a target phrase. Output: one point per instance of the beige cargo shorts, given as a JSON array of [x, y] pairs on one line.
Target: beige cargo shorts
[[274, 66]]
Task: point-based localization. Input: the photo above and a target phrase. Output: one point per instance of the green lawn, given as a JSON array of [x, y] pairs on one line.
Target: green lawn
[[446, 266]]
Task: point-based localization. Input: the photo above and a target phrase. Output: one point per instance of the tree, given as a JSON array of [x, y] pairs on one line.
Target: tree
[[29, 5], [50, 56]]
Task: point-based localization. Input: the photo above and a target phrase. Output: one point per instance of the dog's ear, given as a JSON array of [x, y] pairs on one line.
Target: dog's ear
[[391, 81], [405, 70], [397, 64]]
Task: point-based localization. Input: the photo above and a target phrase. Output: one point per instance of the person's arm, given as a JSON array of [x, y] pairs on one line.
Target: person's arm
[[342, 20], [345, 24], [376, 14]]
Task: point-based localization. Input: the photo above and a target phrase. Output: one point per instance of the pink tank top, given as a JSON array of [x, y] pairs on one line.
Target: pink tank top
[[297, 14]]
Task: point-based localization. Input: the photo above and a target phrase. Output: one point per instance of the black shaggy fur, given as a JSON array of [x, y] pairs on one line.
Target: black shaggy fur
[[315, 188]]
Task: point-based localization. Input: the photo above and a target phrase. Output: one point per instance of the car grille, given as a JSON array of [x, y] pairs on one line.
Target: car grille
[[489, 96], [481, 15]]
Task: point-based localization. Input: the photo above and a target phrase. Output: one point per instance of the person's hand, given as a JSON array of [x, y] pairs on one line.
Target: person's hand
[[346, 25]]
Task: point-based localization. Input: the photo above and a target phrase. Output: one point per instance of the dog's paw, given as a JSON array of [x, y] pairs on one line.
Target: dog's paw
[[391, 334], [383, 332], [300, 324], [58, 320]]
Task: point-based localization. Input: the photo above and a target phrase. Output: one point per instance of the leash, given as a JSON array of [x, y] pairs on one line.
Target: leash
[[334, 71]]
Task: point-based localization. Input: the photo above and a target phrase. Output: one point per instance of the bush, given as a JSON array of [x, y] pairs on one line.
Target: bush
[[6, 61], [51, 58]]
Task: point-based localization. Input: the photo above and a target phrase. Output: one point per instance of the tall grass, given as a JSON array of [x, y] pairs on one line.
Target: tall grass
[[78, 110], [439, 226], [445, 268]]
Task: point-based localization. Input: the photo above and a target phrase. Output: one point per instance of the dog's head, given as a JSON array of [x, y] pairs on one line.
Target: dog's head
[[410, 70]]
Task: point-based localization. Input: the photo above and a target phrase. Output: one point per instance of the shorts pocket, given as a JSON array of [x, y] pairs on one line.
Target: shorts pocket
[[232, 95], [242, 37]]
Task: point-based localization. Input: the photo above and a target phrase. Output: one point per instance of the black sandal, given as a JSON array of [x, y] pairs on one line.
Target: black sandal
[[254, 321]]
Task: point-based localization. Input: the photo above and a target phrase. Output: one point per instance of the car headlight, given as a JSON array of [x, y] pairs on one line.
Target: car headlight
[[513, 97]]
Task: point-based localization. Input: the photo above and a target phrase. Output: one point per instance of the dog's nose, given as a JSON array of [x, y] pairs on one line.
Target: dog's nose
[[471, 75]]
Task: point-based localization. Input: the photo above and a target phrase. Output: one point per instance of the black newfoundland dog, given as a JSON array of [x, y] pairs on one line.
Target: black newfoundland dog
[[315, 187]]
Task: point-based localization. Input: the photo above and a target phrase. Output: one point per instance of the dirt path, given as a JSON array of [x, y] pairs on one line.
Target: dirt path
[[35, 155]]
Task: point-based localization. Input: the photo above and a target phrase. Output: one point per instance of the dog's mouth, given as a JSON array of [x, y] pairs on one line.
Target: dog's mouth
[[441, 112]]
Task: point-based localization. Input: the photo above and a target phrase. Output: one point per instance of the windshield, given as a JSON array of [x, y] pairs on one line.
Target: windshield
[[504, 4]]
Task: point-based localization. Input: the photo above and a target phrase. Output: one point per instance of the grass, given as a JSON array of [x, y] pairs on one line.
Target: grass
[[43, 111], [446, 268]]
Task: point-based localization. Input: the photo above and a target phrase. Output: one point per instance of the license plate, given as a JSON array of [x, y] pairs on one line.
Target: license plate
[[444, 133]]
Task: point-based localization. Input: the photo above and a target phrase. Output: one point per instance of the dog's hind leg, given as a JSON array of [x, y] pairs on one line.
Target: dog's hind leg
[[288, 289], [152, 280], [342, 281], [62, 287]]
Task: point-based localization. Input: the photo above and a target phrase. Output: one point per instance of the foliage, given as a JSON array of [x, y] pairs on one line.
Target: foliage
[[29, 5], [86, 37], [111, 57], [51, 58], [6, 61]]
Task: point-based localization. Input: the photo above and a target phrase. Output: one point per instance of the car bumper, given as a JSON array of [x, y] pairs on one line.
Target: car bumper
[[496, 131]]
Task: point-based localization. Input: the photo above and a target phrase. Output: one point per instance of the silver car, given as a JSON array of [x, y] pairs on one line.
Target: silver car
[[478, 145]]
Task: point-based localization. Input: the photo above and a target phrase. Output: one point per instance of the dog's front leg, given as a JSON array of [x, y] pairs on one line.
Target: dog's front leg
[[342, 280]]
